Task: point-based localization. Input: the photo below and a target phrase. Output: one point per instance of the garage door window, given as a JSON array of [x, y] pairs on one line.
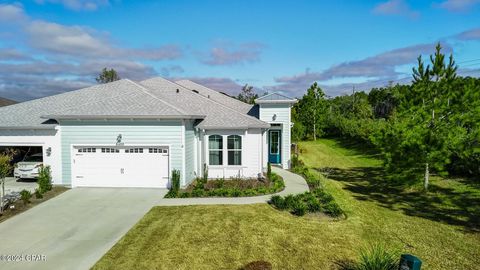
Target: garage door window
[[134, 150], [110, 150], [87, 150], [157, 150]]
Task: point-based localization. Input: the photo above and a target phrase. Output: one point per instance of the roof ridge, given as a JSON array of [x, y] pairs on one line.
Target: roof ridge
[[275, 93], [93, 102], [146, 91], [233, 110], [117, 96], [221, 93]]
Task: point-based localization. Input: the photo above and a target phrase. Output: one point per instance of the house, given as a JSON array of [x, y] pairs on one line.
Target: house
[[133, 134]]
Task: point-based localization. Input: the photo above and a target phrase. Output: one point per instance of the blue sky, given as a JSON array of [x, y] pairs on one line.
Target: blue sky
[[52, 46]]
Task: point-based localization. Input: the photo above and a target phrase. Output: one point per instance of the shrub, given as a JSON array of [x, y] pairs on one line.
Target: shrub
[[198, 193], [333, 209], [299, 208], [38, 194], [377, 257], [313, 205], [250, 192], [25, 195], [175, 185], [290, 201], [278, 201], [44, 179], [205, 173], [269, 170], [184, 195]]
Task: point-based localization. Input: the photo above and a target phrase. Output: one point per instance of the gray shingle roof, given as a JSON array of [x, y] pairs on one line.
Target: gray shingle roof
[[275, 98], [122, 97], [218, 115], [217, 96], [153, 98]]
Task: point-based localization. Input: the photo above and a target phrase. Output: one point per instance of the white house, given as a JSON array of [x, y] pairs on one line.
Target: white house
[[133, 134]]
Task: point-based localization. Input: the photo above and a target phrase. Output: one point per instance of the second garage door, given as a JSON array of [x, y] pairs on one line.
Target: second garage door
[[107, 166]]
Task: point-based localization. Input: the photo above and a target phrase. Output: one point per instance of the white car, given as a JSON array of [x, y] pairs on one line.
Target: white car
[[28, 168]]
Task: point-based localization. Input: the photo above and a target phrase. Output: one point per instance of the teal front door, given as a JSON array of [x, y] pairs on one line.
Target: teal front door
[[274, 152]]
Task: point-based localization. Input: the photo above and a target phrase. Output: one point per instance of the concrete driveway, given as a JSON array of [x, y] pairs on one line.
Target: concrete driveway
[[75, 229]]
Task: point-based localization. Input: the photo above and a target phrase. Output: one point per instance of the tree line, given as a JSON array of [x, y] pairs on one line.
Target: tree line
[[429, 126]]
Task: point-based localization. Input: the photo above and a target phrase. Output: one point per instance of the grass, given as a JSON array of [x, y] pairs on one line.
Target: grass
[[21, 207], [439, 227]]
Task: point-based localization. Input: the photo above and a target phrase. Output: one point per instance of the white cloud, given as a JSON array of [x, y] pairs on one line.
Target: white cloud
[[458, 5], [12, 13], [396, 7], [66, 56], [89, 5], [229, 54]]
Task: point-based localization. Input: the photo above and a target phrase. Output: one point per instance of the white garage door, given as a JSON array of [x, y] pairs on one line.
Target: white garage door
[[107, 166]]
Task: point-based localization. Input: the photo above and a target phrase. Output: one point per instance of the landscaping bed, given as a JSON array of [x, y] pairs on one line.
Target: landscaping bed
[[20, 206], [234, 187], [317, 200]]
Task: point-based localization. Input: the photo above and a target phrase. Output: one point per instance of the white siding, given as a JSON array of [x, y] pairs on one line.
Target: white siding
[[278, 114], [251, 154], [163, 132], [189, 152], [46, 139]]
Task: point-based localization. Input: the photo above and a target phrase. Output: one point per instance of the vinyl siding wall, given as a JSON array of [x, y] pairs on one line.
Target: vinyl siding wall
[[251, 154], [189, 152], [283, 117], [162, 132]]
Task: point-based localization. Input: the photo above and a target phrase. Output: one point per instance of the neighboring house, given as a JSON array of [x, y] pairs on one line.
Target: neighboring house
[[6, 102], [133, 134]]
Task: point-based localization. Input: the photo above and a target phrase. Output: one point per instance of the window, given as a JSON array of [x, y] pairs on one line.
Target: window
[[134, 150], [234, 150], [158, 150], [274, 142], [215, 149], [110, 150], [87, 150]]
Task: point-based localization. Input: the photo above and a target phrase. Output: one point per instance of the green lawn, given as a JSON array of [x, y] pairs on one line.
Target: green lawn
[[441, 227]]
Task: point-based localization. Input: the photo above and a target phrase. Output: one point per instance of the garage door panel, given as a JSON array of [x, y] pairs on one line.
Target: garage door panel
[[121, 167]]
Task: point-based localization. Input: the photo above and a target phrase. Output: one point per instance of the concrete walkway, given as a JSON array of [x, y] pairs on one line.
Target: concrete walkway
[[294, 184]]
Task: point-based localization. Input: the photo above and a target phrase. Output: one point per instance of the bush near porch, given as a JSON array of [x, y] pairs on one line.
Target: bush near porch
[[233, 187], [317, 200]]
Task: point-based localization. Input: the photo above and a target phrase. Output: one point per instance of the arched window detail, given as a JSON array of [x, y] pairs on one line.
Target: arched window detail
[[215, 149], [234, 145]]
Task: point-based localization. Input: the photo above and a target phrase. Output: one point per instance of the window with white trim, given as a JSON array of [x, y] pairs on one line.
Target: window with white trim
[[234, 145], [215, 150]]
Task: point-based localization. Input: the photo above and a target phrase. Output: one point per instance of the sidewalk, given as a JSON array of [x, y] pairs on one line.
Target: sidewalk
[[294, 184]]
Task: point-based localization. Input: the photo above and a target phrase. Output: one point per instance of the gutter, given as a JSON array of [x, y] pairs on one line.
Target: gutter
[[277, 101], [29, 128], [120, 117]]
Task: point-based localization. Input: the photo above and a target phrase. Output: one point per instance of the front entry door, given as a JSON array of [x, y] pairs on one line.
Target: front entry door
[[274, 152]]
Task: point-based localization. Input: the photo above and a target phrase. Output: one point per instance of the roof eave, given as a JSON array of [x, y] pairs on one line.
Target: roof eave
[[49, 127], [293, 101], [232, 128], [120, 117]]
